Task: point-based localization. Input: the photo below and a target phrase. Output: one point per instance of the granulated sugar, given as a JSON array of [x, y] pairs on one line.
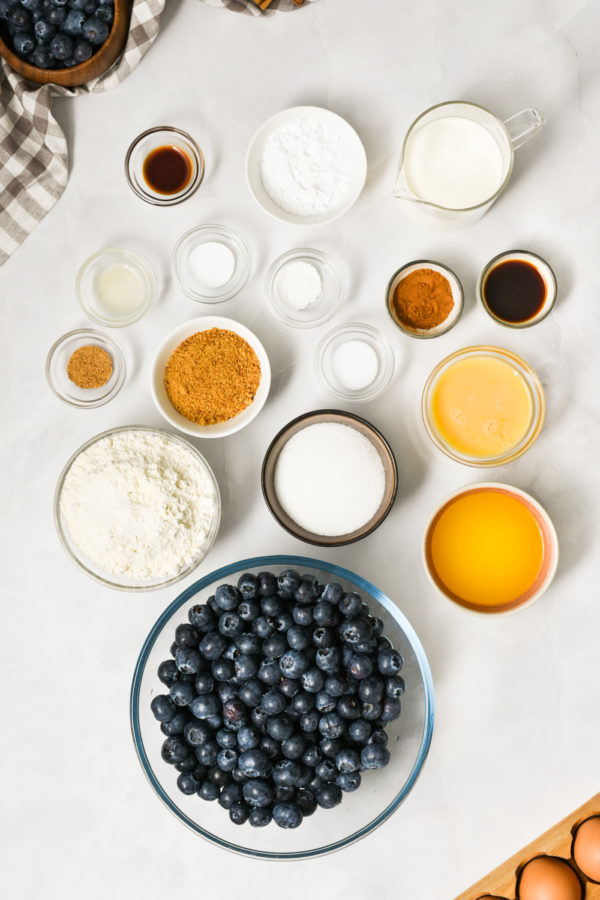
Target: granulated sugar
[[305, 167], [329, 479]]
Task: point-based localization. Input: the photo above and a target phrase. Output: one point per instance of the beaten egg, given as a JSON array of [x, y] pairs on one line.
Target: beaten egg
[[549, 878], [586, 848]]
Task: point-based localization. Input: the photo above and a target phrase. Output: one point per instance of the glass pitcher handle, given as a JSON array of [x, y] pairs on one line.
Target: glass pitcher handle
[[523, 125]]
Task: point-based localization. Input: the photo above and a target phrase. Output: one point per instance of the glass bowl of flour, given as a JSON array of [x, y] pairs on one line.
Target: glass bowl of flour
[[137, 508]]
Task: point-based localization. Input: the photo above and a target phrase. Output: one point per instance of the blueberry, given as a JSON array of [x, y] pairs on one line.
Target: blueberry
[[280, 727], [369, 647], [32, 5], [315, 784], [293, 663], [176, 725], [272, 605], [227, 597], [255, 764], [355, 630], [283, 794], [187, 660], [196, 733], [223, 669], [231, 624], [259, 717], [275, 646], [270, 746], [328, 659], [348, 761], [231, 793], [204, 683], [251, 692], [289, 687], [24, 43], [212, 645], [244, 668], [168, 672], [201, 615], [325, 614], [293, 747], [390, 711], [224, 691], [56, 15], [326, 770], [384, 643], [333, 593], [273, 702], [258, 793], [214, 722], [331, 725], [212, 602], [77, 4], [248, 644], [335, 685], [350, 604], [374, 756], [264, 627], [310, 721], [258, 818], [234, 711], [371, 690], [359, 731], [207, 753], [74, 21], [312, 756], [302, 703], [188, 783], [328, 796], [226, 739], [359, 666], [19, 19], [163, 708], [267, 584], [205, 705], [182, 693], [283, 622], [287, 815], [324, 702], [174, 750], [227, 759], [313, 680], [308, 590], [288, 583], [269, 671], [371, 711], [249, 610], [95, 31], [302, 615], [42, 58], [286, 772], [298, 638], [248, 738], [208, 791], [389, 662], [306, 801], [348, 782], [379, 737], [219, 777], [248, 586], [394, 687], [105, 14]]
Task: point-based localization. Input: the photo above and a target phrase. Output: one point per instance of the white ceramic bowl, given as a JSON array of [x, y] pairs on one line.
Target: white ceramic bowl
[[355, 148], [157, 374]]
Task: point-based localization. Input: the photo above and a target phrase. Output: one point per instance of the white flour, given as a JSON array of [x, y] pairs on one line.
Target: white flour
[[138, 505], [305, 167]]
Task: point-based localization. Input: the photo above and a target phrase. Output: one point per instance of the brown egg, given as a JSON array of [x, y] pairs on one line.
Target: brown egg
[[549, 878], [490, 897], [586, 848]]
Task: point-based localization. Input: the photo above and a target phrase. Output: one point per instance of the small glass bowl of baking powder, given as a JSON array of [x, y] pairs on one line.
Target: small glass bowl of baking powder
[[303, 288], [354, 362], [57, 364], [210, 263]]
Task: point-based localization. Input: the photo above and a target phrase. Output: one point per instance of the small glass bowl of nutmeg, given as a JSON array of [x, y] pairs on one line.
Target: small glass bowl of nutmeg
[[424, 299], [85, 368]]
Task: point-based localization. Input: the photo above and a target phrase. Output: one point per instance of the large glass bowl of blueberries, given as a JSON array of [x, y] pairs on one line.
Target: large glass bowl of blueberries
[[282, 707]]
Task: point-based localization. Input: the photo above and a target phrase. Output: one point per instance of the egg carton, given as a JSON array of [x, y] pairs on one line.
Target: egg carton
[[502, 882]]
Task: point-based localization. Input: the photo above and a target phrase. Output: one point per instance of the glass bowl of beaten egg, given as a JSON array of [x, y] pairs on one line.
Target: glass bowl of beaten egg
[[381, 792], [483, 406]]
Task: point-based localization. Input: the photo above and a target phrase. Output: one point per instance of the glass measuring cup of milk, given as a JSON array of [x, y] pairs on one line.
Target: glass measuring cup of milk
[[457, 158]]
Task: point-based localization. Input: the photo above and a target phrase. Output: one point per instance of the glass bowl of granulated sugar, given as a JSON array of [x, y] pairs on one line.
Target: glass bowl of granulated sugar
[[137, 508], [306, 166]]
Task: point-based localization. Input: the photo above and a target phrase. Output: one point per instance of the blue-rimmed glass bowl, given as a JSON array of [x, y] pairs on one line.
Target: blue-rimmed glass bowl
[[380, 793]]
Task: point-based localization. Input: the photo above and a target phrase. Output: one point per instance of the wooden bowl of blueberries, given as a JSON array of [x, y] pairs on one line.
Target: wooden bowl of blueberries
[[66, 42]]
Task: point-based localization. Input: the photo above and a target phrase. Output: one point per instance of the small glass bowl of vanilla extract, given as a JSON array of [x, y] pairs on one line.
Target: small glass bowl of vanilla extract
[[164, 166], [517, 288]]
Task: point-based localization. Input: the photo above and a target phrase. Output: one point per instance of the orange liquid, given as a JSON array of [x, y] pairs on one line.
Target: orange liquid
[[485, 549]]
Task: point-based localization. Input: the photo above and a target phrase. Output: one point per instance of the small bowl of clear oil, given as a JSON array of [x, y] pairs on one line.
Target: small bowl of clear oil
[[115, 287]]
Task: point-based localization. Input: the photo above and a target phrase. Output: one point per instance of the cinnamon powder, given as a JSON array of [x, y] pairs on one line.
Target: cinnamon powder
[[423, 299], [89, 367]]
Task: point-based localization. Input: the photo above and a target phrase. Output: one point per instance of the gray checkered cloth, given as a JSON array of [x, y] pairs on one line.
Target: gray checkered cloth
[[33, 150], [251, 8]]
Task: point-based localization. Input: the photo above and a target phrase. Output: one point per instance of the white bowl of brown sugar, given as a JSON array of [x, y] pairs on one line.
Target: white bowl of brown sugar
[[210, 377]]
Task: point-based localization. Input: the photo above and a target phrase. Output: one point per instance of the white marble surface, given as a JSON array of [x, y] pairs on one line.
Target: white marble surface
[[517, 731]]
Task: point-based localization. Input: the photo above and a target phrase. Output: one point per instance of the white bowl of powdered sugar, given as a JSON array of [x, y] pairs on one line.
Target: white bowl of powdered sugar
[[306, 165], [137, 508]]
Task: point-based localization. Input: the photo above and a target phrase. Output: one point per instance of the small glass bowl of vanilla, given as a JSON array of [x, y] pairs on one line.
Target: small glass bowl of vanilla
[[115, 287]]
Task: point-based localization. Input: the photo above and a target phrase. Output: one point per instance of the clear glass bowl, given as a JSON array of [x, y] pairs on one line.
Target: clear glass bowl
[[381, 792], [326, 305], [536, 394], [152, 139], [96, 267], [457, 295], [325, 362], [183, 271], [88, 566], [61, 384]]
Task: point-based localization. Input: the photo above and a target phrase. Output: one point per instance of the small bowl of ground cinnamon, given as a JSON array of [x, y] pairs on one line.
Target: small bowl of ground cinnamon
[[85, 368], [424, 299], [210, 377]]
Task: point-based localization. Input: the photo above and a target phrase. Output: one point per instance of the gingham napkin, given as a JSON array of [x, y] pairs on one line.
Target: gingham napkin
[[251, 8], [33, 150]]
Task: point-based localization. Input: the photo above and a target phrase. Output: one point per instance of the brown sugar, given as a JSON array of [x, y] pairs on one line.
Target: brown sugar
[[423, 299], [212, 376], [89, 367]]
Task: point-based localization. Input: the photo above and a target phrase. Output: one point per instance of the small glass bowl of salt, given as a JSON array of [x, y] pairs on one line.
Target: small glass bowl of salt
[[354, 362], [210, 263], [303, 288]]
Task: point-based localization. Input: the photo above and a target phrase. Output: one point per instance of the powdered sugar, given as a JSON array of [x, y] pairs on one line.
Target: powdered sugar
[[139, 504], [306, 167]]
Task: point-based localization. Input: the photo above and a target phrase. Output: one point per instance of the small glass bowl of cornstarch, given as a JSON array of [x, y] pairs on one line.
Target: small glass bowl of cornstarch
[[137, 508], [303, 288], [354, 362], [210, 263]]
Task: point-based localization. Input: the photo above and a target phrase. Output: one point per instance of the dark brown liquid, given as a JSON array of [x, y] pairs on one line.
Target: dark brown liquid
[[167, 170], [514, 291]]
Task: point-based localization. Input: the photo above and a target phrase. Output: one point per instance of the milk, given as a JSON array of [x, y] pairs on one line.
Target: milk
[[454, 162]]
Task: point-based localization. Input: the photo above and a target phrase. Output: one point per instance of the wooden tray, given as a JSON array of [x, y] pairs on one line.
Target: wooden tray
[[86, 71], [557, 841]]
